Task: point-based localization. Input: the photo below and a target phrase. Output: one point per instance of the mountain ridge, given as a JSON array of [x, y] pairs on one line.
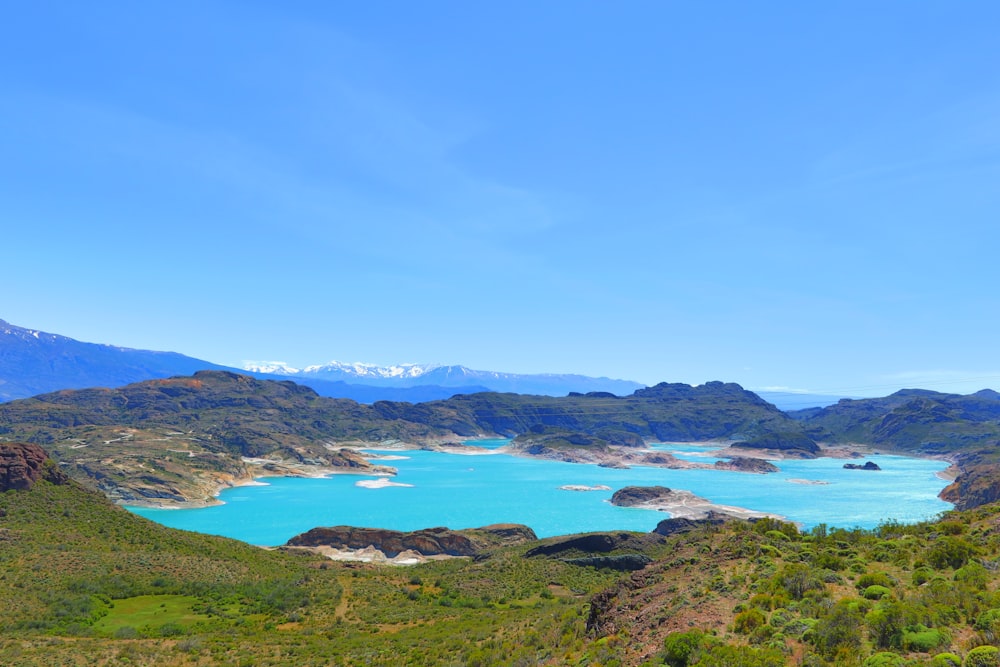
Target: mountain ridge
[[409, 375], [35, 362]]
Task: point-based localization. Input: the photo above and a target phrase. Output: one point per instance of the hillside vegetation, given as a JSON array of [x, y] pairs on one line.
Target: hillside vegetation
[[87, 583]]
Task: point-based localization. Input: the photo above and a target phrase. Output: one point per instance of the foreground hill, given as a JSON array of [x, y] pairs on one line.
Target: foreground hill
[[182, 439], [87, 583]]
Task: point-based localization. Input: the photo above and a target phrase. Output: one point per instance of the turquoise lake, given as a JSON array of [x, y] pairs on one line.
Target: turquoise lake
[[466, 491]]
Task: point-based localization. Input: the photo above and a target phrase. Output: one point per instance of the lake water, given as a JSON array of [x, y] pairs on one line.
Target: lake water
[[466, 491]]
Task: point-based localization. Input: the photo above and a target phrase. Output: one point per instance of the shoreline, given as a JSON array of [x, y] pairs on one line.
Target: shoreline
[[301, 470], [618, 457]]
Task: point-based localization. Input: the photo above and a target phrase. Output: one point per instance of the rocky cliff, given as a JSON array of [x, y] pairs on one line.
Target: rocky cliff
[[21, 465], [426, 542]]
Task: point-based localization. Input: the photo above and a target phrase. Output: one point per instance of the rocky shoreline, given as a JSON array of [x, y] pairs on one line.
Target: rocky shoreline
[[679, 503]]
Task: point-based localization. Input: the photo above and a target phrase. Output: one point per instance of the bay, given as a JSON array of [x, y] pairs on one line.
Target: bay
[[466, 491]]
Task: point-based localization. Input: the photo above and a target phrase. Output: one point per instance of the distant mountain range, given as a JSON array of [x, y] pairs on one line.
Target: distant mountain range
[[416, 375], [34, 362]]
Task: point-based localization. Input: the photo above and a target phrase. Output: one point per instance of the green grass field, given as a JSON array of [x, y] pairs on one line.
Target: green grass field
[[149, 614]]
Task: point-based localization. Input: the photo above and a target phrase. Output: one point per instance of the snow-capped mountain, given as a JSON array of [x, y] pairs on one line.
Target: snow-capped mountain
[[414, 375], [33, 362], [339, 369]]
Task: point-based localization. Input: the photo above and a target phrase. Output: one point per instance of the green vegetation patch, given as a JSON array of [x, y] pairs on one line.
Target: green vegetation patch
[[148, 614]]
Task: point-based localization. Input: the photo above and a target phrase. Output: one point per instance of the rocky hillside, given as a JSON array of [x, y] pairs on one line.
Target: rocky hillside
[[21, 465], [666, 413], [963, 429], [181, 439], [427, 542]]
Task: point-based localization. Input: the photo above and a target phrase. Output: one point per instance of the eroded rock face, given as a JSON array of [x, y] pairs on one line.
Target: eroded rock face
[[679, 525], [21, 465], [426, 542], [634, 496], [978, 484]]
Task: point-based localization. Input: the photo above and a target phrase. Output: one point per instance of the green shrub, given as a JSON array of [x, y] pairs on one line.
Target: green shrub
[[983, 656], [839, 630], [972, 574], [988, 621], [953, 552], [680, 647], [876, 592], [744, 656], [874, 579], [885, 624], [827, 560], [748, 621], [797, 579], [946, 660], [884, 659], [924, 640]]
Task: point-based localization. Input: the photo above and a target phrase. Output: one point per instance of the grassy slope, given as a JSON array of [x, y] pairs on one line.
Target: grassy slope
[[86, 583], [75, 572]]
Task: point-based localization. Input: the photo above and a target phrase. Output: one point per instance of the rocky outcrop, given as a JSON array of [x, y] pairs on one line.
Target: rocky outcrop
[[426, 542], [638, 496], [595, 550], [589, 543], [977, 484], [679, 525], [21, 465], [868, 465], [789, 443], [747, 464]]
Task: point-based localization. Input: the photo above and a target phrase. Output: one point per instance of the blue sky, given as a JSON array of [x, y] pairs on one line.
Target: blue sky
[[780, 194]]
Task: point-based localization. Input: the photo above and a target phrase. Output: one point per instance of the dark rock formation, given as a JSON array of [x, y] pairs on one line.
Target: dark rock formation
[[590, 543], [21, 465], [631, 496], [680, 525], [427, 542], [868, 465], [746, 464]]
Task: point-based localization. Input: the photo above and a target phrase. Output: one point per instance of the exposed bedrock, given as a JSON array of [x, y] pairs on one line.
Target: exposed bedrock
[[427, 542]]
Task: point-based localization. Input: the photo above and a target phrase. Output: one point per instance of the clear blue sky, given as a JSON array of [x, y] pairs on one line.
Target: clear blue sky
[[780, 194]]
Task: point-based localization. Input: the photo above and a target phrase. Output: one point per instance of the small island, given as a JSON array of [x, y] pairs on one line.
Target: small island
[[678, 503], [868, 465]]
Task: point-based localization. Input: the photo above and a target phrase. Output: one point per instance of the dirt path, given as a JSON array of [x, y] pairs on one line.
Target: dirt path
[[340, 612]]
